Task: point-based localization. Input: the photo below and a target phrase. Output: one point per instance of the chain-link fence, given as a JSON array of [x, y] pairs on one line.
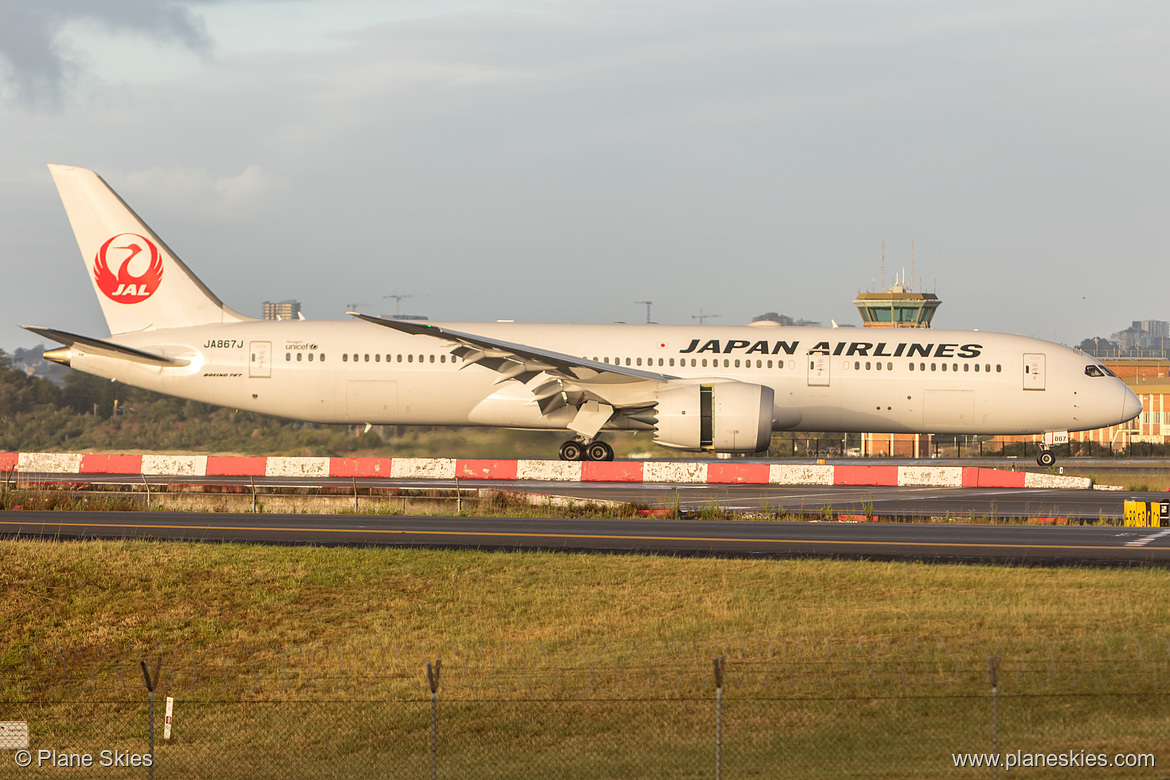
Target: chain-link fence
[[766, 708]]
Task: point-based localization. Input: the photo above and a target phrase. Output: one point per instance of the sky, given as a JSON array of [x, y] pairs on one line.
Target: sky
[[560, 160]]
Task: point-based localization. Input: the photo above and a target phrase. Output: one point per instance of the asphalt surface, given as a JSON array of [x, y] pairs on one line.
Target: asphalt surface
[[884, 502], [878, 541], [952, 539]]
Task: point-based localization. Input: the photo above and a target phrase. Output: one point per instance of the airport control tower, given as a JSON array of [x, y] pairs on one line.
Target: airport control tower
[[896, 307]]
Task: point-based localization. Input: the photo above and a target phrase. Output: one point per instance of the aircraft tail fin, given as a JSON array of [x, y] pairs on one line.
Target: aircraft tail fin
[[139, 282]]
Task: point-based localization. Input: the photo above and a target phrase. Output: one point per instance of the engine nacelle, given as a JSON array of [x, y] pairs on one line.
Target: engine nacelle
[[718, 414]]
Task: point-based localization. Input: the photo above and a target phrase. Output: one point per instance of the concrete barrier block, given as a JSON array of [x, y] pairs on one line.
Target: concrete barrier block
[[676, 473], [175, 465], [785, 474], [422, 468], [93, 463], [883, 476], [1032, 480], [236, 466], [298, 467], [549, 470], [474, 468], [49, 462], [359, 467], [738, 473], [930, 476], [612, 471], [974, 476]]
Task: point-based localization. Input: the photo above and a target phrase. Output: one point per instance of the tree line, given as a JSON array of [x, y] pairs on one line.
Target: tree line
[[88, 412]]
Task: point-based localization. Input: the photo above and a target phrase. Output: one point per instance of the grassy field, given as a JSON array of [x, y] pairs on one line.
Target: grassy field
[[571, 665], [1135, 479]]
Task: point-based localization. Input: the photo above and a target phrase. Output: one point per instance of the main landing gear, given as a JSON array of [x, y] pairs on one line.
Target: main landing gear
[[579, 450], [1045, 458]]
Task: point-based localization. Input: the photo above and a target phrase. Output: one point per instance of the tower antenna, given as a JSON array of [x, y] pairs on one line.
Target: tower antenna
[[912, 266]]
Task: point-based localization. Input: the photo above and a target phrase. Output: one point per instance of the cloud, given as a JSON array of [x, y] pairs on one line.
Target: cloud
[[199, 191], [36, 62]]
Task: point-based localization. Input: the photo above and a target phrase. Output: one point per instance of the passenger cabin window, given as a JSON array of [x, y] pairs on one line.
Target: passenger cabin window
[[344, 357]]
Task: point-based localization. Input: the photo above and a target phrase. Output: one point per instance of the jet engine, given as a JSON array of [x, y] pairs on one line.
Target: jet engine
[[717, 414]]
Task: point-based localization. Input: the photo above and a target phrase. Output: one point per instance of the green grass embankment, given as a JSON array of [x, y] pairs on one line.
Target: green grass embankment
[[300, 659]]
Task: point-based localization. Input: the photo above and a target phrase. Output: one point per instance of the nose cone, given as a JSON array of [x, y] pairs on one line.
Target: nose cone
[[1131, 406]]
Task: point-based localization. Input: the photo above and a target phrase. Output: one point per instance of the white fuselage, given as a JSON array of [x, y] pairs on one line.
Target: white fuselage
[[871, 380]]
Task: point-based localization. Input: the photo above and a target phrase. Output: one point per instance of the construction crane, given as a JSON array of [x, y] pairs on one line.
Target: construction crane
[[701, 316], [398, 301], [647, 304], [354, 306]]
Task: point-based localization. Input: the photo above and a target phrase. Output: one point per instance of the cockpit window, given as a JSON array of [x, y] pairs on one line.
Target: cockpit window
[[1095, 370]]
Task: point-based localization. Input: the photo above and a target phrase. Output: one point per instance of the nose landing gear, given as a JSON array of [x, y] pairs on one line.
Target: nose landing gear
[[593, 450], [1045, 458]]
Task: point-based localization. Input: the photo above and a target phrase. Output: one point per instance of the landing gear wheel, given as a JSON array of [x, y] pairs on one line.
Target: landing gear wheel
[[1046, 458], [598, 450], [572, 450]]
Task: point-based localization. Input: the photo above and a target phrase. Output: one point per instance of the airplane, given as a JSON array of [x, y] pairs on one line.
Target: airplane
[[700, 388]]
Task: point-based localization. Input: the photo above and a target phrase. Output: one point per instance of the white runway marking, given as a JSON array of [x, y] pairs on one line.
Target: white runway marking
[[1142, 542]]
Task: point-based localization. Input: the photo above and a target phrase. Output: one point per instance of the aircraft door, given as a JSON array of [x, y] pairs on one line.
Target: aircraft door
[[818, 370], [1033, 372], [260, 358]]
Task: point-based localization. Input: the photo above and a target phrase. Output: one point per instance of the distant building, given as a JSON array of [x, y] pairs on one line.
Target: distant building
[[785, 320], [285, 310], [32, 363], [1156, 328], [1143, 335]]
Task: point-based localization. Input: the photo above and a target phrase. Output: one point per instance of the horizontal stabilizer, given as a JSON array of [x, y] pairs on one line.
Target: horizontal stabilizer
[[100, 346]]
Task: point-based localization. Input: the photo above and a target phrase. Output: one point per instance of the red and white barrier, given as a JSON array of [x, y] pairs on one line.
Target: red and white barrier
[[675, 472]]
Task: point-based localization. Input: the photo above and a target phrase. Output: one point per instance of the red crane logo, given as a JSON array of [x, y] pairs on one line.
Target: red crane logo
[[124, 287]]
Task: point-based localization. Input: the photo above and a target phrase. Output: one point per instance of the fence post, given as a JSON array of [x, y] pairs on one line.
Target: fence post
[[433, 679], [150, 686], [993, 668], [719, 662]]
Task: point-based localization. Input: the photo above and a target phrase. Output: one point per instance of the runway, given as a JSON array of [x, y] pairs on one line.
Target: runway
[[1001, 544], [884, 502]]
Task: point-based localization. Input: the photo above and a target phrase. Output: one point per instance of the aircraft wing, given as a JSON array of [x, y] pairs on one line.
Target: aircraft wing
[[520, 361], [106, 347]]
